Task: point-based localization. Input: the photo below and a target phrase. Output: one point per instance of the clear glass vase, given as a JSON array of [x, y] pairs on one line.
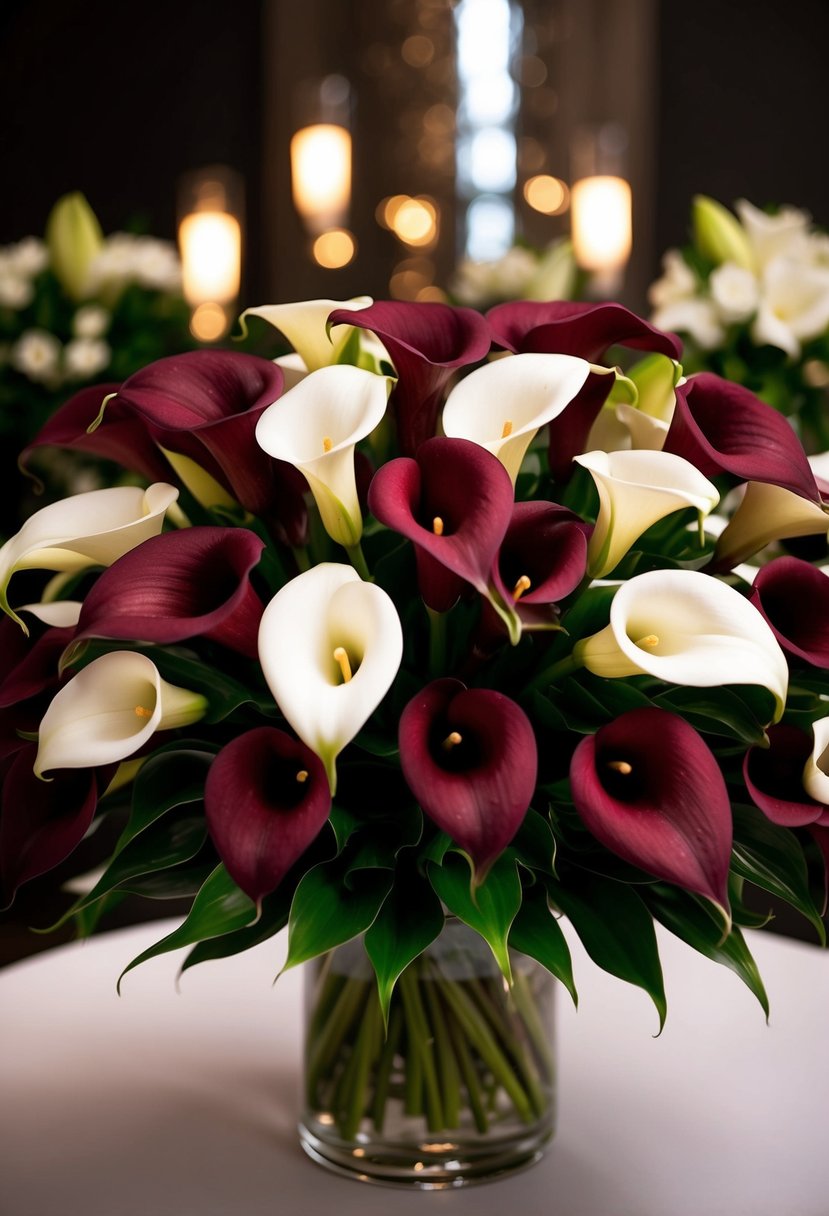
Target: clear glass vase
[[460, 1089]]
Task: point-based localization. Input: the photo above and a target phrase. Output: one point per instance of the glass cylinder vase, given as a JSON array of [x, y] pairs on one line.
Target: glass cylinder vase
[[458, 1088]]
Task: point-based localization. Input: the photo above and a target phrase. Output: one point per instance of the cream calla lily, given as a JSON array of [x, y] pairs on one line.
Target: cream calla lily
[[501, 406], [110, 709], [636, 489], [794, 305], [315, 427], [304, 324], [816, 769], [768, 513], [60, 613], [92, 529], [686, 628], [330, 646]]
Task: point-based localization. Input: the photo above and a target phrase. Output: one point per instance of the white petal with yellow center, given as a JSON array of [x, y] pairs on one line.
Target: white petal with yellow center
[[502, 405]]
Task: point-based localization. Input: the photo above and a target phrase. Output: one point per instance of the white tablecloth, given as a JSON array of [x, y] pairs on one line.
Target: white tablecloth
[[183, 1103]]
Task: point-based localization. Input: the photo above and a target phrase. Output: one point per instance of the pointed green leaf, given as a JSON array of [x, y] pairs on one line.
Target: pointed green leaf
[[689, 918], [274, 917], [220, 907], [536, 932], [771, 858], [616, 930], [491, 909], [173, 776], [326, 912], [409, 920]]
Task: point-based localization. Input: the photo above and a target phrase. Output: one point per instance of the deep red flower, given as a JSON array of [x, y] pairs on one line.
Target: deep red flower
[[561, 327], [793, 596], [469, 757], [648, 787], [545, 544], [774, 778], [266, 798]]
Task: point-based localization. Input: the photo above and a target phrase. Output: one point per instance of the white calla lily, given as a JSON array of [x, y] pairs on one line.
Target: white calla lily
[[768, 513], [60, 613], [771, 236], [330, 646], [501, 406], [636, 489], [304, 324], [316, 426], [794, 305], [686, 628], [92, 529], [816, 769], [110, 709]]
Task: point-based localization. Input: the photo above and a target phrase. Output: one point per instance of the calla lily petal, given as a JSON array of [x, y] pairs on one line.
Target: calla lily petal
[[315, 427], [775, 777], [68, 535], [502, 405], [793, 596], [427, 343], [469, 757], [29, 666], [648, 787], [687, 628], [585, 330], [723, 428], [454, 502], [766, 513], [109, 710], [636, 489], [330, 646], [60, 613], [180, 585], [816, 769], [305, 325], [266, 799], [543, 556]]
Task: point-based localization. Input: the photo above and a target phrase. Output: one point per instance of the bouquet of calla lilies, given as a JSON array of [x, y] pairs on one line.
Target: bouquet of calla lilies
[[442, 615]]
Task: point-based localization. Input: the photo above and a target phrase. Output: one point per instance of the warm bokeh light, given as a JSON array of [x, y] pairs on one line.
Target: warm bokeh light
[[334, 249], [388, 208], [321, 175], [547, 194], [601, 223], [415, 221], [209, 322], [211, 256]]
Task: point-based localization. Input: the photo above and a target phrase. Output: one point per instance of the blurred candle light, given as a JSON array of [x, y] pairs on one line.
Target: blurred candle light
[[321, 155], [547, 194], [210, 243], [334, 249], [601, 206]]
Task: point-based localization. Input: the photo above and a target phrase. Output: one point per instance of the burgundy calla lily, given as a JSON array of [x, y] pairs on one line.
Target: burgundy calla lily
[[121, 437], [569, 432], [793, 596], [562, 327], [29, 664], [721, 427], [454, 500], [266, 799], [427, 343], [648, 787], [180, 585], [469, 757], [543, 557], [774, 778], [41, 822]]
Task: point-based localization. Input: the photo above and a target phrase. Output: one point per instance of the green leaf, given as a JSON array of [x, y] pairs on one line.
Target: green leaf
[[534, 843], [771, 858], [220, 907], [719, 711], [173, 776], [274, 916], [326, 912], [690, 919], [490, 909], [410, 919], [616, 930], [536, 932]]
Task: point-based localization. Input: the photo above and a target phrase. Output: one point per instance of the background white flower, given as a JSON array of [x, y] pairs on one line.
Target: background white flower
[[85, 357], [36, 354], [91, 321]]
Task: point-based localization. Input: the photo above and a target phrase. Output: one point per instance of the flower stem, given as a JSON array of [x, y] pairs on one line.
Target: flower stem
[[437, 642], [447, 1061], [556, 671], [301, 557], [384, 1068], [419, 1038], [358, 561], [345, 1013], [364, 1053]]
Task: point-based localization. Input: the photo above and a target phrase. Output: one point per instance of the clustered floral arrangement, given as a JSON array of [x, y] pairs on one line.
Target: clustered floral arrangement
[[78, 307], [522, 273], [390, 636], [750, 294]]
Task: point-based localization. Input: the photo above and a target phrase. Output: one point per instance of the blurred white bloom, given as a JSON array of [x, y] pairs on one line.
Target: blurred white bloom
[[696, 317], [513, 271], [15, 291], [678, 281], [36, 354], [735, 292], [85, 357], [91, 321], [771, 236], [28, 257], [519, 274], [125, 258], [555, 274], [794, 305], [157, 265]]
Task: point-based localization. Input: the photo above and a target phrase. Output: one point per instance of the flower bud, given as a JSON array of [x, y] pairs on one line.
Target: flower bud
[[718, 235], [74, 237]]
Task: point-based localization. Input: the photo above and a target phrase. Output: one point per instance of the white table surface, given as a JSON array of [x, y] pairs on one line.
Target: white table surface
[[166, 1103]]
